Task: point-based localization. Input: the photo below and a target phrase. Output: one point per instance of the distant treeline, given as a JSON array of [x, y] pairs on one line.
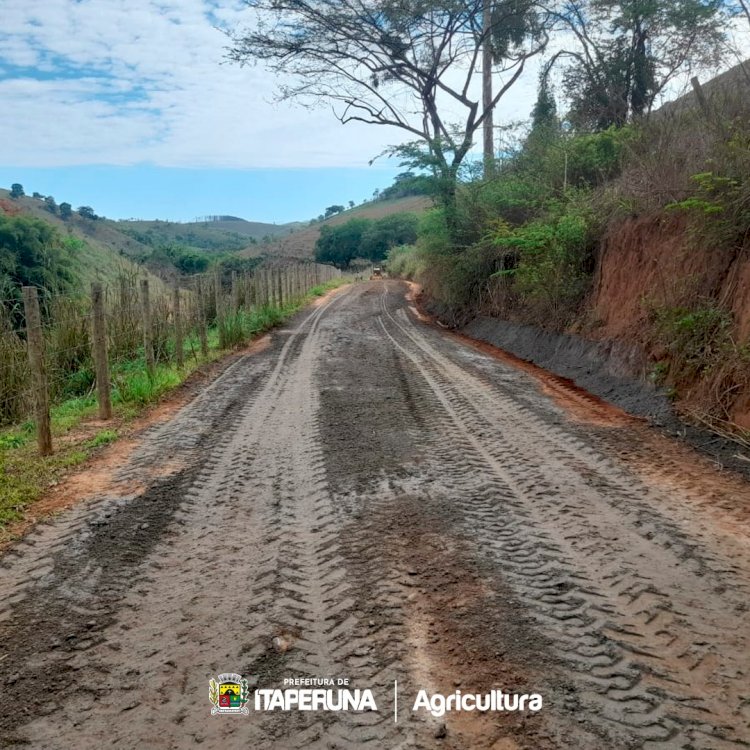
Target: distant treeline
[[214, 218], [368, 239]]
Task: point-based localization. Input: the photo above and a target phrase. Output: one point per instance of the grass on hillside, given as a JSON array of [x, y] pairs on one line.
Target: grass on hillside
[[25, 476]]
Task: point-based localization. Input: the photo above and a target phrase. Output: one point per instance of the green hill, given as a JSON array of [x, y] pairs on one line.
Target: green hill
[[89, 250], [217, 234], [301, 242]]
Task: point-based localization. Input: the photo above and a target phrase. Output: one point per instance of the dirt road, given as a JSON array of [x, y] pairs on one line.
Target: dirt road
[[370, 498]]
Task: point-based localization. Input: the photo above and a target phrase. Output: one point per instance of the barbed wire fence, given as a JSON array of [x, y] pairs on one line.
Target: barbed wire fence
[[56, 347]]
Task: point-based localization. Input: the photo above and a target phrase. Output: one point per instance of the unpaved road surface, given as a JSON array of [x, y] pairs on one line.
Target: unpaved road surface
[[371, 498]]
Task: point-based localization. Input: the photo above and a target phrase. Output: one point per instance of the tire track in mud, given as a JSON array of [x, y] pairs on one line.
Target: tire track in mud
[[197, 506], [436, 618], [645, 655]]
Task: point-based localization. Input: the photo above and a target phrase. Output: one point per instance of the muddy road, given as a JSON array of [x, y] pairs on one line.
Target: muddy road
[[371, 498]]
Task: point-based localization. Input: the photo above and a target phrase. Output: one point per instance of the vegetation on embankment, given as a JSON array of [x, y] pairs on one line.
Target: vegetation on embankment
[[639, 233], [25, 476]]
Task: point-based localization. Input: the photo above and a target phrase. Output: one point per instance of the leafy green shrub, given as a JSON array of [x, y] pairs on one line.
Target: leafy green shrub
[[405, 261], [720, 207], [595, 158], [697, 338], [32, 253], [550, 268], [513, 197]]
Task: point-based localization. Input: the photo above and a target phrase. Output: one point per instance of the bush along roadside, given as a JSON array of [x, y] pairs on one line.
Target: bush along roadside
[[636, 233], [137, 384]]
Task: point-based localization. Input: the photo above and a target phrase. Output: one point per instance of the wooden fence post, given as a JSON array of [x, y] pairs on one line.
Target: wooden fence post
[[267, 287], [99, 347], [179, 342], [148, 339], [35, 341], [272, 287], [257, 299], [220, 313], [235, 293], [202, 335], [249, 288]]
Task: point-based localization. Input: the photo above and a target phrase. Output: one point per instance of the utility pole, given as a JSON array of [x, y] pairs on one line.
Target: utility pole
[[488, 124]]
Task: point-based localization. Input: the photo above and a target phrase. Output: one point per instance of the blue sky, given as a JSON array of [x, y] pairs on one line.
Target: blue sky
[[173, 193]]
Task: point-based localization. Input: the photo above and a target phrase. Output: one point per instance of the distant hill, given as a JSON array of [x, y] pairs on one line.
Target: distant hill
[[214, 234], [106, 249], [301, 243], [102, 253]]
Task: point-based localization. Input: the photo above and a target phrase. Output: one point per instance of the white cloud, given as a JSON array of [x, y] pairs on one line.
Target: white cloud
[[188, 108]]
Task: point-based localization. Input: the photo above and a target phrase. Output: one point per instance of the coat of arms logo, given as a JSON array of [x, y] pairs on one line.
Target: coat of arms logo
[[229, 693]]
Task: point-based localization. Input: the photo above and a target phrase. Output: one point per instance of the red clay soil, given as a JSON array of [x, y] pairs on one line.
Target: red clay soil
[[9, 208], [652, 263]]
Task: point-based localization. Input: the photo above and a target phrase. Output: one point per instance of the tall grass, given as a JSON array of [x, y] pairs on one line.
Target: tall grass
[[14, 373]]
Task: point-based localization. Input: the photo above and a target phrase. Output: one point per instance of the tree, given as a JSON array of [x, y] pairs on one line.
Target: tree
[[340, 244], [332, 210], [50, 205], [37, 195], [503, 22], [351, 204], [408, 64], [742, 8], [16, 190], [627, 51], [364, 238], [32, 253], [86, 212], [544, 114], [545, 124], [66, 211], [386, 233]]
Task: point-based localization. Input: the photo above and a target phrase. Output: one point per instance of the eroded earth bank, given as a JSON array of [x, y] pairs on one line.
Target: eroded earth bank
[[371, 498]]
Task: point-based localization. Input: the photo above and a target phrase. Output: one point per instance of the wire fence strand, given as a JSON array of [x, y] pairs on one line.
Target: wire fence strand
[[216, 311]]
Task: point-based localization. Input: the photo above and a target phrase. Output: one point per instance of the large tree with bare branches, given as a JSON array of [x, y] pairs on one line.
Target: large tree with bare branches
[[410, 64]]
